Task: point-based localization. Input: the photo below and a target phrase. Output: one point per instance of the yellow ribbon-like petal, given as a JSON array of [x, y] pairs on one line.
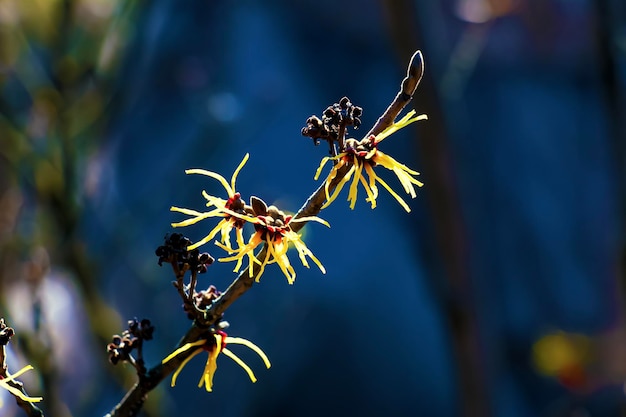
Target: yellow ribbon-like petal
[[213, 175], [234, 177], [250, 345], [405, 121], [4, 383], [240, 363]]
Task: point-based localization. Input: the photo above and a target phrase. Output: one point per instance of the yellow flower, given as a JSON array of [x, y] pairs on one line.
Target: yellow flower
[[4, 383], [215, 345], [364, 156], [223, 208], [273, 228]]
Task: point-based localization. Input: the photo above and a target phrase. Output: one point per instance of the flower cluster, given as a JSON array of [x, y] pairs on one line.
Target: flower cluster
[[272, 227], [359, 156], [232, 210], [215, 343], [175, 251], [132, 338], [332, 126]]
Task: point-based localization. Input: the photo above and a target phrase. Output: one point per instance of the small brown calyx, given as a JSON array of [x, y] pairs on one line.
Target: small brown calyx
[[276, 217], [258, 206], [360, 147], [270, 218], [236, 203]]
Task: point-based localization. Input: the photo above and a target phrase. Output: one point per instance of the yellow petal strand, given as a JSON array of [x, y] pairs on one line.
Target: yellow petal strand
[[414, 180], [393, 193], [238, 257], [225, 229], [227, 249], [187, 211], [318, 263], [368, 191], [405, 121], [405, 180], [408, 187], [339, 187], [319, 169], [16, 392], [211, 365], [234, 177], [332, 175], [371, 153], [189, 222], [283, 263], [18, 373], [294, 238], [211, 200], [213, 175], [352, 194], [395, 126], [210, 236], [309, 219], [250, 345], [239, 234], [402, 172], [252, 259], [183, 348], [372, 180], [254, 241], [240, 216], [408, 178], [240, 363], [390, 163], [302, 256], [303, 249], [265, 262], [182, 365], [197, 215]]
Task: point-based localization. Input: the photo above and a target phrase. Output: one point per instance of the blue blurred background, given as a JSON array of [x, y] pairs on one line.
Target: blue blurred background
[[500, 294]]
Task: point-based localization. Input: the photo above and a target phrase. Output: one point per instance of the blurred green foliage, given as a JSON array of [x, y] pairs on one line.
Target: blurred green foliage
[[59, 63]]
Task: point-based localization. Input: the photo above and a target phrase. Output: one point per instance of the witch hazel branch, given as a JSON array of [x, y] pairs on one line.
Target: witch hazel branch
[[254, 236]]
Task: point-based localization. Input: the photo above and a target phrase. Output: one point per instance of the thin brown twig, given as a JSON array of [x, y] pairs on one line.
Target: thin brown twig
[[133, 401], [192, 286], [179, 283], [414, 74]]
